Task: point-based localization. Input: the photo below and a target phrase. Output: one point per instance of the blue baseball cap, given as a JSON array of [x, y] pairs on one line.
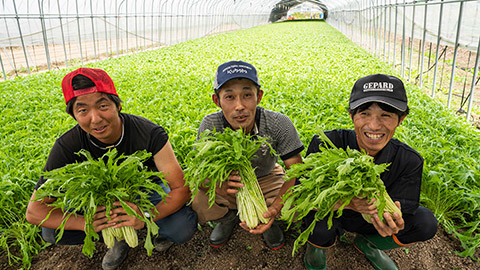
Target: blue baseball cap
[[234, 70]]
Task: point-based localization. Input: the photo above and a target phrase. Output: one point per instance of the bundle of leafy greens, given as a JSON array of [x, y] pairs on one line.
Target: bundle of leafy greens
[[330, 176], [81, 187], [215, 156]]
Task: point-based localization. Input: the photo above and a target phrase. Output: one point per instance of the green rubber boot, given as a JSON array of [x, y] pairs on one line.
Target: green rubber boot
[[315, 258], [372, 245]]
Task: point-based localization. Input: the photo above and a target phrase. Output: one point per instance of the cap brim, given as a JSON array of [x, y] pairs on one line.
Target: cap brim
[[236, 77], [399, 105]]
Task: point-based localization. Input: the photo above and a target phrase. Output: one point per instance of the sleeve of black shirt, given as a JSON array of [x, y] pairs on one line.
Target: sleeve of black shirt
[[313, 146]]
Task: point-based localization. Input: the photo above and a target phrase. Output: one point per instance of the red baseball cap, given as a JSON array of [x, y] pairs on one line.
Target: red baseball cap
[[103, 83]]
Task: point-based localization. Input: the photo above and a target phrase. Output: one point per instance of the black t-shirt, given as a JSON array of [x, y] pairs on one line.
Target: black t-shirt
[[402, 179], [139, 134]]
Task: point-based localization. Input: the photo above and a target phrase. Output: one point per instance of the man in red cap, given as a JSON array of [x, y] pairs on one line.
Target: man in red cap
[[92, 100], [378, 105]]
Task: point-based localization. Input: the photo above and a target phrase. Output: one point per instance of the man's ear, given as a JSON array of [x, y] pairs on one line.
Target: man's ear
[[259, 96], [401, 120], [119, 107], [216, 100]]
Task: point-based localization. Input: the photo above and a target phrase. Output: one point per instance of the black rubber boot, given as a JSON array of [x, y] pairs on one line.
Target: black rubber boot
[[223, 230], [161, 244], [372, 245], [274, 237], [315, 258], [115, 256]]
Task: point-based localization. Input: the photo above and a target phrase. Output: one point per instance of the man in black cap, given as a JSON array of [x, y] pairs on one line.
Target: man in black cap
[[237, 93], [378, 105]]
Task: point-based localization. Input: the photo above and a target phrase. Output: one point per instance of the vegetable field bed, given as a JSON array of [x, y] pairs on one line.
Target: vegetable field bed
[[307, 70]]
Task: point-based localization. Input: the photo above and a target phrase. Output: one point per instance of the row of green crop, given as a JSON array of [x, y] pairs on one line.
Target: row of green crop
[[306, 69]]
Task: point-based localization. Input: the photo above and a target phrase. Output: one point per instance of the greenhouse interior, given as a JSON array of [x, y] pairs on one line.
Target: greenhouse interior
[[164, 58]]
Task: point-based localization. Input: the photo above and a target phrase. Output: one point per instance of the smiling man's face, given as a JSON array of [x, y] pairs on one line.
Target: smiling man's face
[[99, 116], [374, 128]]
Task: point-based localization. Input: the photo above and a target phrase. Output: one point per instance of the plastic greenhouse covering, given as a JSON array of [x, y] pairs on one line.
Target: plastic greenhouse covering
[[53, 34]]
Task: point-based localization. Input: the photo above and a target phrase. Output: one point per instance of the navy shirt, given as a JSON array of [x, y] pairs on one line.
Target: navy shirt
[[402, 179]]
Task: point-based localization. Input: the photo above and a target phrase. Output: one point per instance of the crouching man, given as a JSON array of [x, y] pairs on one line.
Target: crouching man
[[378, 105], [92, 100], [237, 94]]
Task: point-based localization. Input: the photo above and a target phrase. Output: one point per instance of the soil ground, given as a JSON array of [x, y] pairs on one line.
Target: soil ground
[[246, 251]]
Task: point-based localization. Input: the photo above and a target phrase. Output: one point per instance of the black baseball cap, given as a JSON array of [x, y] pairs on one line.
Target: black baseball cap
[[234, 70], [379, 88]]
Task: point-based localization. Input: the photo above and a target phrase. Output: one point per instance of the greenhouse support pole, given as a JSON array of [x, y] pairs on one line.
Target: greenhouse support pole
[[384, 30], [21, 36], [117, 18], [106, 29], [162, 15], [403, 39], [452, 77], [197, 20], [3, 69], [351, 25], [93, 31], [474, 78], [136, 26], [437, 50], [389, 29], [371, 42], [422, 56], [44, 33], [79, 35], [411, 42], [378, 24], [211, 18], [126, 25], [63, 34], [171, 24], [159, 20], [185, 25], [360, 16], [375, 28], [395, 34], [145, 27], [369, 26], [381, 15]]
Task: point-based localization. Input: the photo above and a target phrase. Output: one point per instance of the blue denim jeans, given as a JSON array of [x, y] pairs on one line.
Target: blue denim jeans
[[178, 227]]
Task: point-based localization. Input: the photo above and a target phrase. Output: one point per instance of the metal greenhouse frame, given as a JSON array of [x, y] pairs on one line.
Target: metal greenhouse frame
[[432, 43]]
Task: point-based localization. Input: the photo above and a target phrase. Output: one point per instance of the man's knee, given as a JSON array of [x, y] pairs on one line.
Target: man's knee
[[429, 223], [418, 227], [180, 226], [49, 235], [69, 237]]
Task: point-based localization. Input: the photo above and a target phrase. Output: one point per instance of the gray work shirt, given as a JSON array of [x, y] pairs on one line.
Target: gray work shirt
[[276, 127]]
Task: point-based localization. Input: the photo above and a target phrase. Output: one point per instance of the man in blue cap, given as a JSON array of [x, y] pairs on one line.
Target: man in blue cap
[[378, 105], [237, 94]]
